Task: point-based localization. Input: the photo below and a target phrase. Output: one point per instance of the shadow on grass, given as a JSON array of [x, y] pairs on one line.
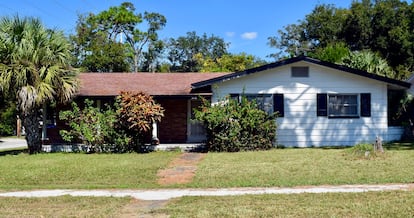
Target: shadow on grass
[[397, 145], [316, 147], [400, 145], [13, 151]]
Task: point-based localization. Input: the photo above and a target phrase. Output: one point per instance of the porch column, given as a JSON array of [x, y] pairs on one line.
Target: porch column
[[154, 138]]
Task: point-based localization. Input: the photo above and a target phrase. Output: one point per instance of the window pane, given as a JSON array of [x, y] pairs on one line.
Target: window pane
[[264, 101], [343, 105]]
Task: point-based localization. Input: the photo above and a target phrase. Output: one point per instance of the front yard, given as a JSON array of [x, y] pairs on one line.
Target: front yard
[[277, 167], [299, 167]]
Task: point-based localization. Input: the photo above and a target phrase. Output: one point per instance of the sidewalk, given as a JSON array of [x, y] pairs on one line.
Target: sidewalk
[[166, 194], [9, 143]]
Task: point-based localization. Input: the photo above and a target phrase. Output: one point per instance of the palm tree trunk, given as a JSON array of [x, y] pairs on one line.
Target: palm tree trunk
[[31, 125]]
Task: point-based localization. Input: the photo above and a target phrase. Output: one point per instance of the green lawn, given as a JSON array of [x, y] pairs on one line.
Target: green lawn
[[369, 204], [65, 206], [277, 167], [296, 167], [88, 171]]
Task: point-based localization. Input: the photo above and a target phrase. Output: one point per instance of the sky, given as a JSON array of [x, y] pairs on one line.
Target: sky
[[245, 24]]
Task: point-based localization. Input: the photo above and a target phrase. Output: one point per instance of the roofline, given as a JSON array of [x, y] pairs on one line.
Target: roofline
[[297, 59], [154, 96]]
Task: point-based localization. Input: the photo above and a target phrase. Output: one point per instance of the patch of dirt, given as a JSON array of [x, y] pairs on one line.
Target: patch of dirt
[[181, 170], [143, 209]]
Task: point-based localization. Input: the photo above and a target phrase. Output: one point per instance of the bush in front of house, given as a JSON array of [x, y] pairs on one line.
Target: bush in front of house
[[234, 126], [136, 113], [119, 129], [90, 126]]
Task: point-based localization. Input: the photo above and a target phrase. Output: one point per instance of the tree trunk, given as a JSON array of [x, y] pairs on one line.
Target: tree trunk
[[31, 125], [135, 62]]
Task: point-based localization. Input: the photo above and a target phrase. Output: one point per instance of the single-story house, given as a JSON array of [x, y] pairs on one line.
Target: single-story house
[[319, 103]]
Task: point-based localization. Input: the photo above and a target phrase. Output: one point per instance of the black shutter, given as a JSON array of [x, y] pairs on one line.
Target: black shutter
[[278, 104], [365, 104], [235, 97], [322, 105]]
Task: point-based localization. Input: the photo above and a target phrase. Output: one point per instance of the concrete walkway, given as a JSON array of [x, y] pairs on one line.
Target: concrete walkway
[[10, 143], [166, 194]]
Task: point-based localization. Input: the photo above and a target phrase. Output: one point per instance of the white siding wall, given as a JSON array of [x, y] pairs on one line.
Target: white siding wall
[[300, 126]]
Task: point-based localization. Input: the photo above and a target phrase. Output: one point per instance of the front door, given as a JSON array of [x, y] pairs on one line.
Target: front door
[[195, 130]]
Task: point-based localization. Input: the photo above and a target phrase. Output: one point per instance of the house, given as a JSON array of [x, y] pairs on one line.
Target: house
[[319, 103], [171, 90]]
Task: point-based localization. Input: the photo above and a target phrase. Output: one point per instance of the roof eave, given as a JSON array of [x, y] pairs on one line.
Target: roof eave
[[297, 59]]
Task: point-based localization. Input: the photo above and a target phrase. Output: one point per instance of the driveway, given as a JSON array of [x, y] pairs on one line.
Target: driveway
[[10, 143]]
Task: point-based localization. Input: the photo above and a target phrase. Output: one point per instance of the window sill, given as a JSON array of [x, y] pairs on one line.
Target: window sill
[[343, 117]]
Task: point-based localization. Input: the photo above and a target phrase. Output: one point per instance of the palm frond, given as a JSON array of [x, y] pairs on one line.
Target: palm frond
[[35, 62], [27, 96]]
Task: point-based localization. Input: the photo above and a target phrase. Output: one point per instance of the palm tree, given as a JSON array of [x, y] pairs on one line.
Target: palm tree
[[369, 61], [34, 70]]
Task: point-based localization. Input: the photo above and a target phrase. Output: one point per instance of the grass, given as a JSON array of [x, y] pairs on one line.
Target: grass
[[277, 167], [82, 171], [369, 204], [65, 206], [297, 167]]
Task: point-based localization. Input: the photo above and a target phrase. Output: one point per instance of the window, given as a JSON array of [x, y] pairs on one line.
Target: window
[[266, 102], [344, 105], [300, 71]]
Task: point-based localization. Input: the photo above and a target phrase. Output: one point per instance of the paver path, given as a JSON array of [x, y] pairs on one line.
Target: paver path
[[181, 170]]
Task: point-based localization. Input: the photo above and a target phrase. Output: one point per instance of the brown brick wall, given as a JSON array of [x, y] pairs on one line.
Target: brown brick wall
[[171, 129], [173, 126]]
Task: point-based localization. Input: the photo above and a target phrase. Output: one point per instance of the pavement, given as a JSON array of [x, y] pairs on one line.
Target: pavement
[[10, 143], [166, 194]]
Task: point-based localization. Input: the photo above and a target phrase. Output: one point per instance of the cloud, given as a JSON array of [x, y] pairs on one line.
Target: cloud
[[230, 34], [249, 35]]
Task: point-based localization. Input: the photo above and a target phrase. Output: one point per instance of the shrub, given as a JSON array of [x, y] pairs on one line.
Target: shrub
[[364, 151], [121, 129], [136, 112], [92, 126], [237, 126], [8, 114]]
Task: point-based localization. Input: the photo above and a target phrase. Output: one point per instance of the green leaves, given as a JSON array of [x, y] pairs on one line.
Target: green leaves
[[137, 111], [186, 51], [112, 130], [385, 27], [90, 125], [232, 126], [111, 40]]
